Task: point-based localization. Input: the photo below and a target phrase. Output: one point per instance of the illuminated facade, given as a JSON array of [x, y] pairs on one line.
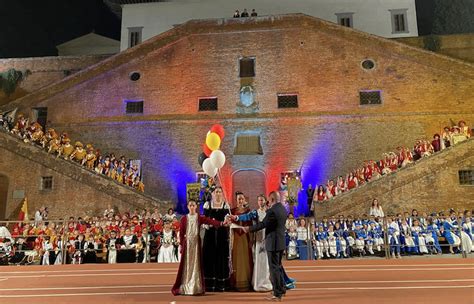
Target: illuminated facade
[[293, 93]]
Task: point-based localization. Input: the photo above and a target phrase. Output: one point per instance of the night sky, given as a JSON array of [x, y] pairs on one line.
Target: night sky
[[30, 28]]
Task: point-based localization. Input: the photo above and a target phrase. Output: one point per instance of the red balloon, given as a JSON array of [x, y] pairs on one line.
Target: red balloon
[[219, 130], [206, 150]]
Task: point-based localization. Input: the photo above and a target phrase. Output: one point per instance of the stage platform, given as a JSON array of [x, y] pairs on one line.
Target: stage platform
[[411, 280]]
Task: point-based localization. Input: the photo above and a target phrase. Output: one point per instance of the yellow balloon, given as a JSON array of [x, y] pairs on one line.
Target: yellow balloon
[[213, 141]]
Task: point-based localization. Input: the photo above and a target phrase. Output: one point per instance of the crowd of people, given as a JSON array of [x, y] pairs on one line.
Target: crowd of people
[[245, 13], [390, 162], [135, 236], [148, 236], [402, 233], [119, 169]]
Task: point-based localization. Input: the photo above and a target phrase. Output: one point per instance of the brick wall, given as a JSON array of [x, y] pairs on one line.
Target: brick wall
[[44, 71], [327, 135], [75, 192], [429, 185]]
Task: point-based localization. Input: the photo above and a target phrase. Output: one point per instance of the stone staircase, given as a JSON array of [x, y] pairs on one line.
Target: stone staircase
[[429, 184], [16, 157]]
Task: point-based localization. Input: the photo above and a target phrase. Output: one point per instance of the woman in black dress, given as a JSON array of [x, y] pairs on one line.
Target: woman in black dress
[[216, 245]]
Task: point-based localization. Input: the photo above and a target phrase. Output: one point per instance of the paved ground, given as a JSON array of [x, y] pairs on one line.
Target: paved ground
[[430, 280]]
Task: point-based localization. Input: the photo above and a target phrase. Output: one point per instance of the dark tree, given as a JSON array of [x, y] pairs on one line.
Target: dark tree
[[442, 17]]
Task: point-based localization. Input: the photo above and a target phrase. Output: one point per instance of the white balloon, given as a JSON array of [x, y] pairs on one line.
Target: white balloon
[[208, 168], [217, 158]]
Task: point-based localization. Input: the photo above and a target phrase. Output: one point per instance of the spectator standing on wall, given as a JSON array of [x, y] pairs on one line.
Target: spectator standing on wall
[[376, 210], [244, 13], [254, 13], [236, 14], [39, 216]]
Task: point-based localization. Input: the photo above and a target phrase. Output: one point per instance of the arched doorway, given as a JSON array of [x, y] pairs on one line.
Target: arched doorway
[[3, 196], [251, 182]]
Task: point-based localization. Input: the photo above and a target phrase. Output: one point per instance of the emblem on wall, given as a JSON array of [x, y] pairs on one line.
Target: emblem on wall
[[247, 103]]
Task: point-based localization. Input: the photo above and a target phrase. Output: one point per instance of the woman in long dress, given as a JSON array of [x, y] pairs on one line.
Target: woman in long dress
[[242, 261], [302, 239], [261, 271], [168, 241], [190, 278], [216, 258]]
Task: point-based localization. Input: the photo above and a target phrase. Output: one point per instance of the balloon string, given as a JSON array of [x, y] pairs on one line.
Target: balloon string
[[219, 175]]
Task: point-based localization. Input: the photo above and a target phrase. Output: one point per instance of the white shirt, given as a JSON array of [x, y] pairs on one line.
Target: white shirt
[[302, 233], [4, 233], [377, 212]]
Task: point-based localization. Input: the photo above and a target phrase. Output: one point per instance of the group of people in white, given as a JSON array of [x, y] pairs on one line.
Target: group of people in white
[[342, 237]]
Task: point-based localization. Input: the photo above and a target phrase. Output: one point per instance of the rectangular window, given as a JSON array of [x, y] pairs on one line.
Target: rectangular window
[[286, 101], [247, 67], [46, 183], [370, 97], [466, 177], [345, 19], [248, 144], [134, 36], [399, 21], [134, 107], [208, 104]]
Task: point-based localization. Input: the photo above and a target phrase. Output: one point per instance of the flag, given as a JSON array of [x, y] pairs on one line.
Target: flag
[[23, 211]]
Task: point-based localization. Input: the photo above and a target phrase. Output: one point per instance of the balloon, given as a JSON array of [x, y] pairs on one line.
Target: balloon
[[213, 141], [219, 130], [206, 150], [201, 158], [208, 168], [217, 158]]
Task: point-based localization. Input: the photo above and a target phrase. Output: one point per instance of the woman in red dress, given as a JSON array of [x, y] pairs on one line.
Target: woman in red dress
[[190, 277]]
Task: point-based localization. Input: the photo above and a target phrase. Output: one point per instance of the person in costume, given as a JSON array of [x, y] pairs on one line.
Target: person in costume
[[468, 229], [320, 242], [376, 209], [90, 158], [393, 232], [464, 130], [20, 127], [242, 261], [261, 272], [168, 242], [302, 239], [66, 149], [128, 243], [418, 237], [79, 154], [431, 234], [216, 258], [190, 278], [341, 243], [112, 244], [143, 246]]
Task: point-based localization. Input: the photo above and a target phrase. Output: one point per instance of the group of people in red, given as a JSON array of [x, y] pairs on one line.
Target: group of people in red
[[390, 162], [135, 236]]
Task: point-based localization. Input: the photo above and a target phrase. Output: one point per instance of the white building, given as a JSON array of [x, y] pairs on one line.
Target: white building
[[143, 19]]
